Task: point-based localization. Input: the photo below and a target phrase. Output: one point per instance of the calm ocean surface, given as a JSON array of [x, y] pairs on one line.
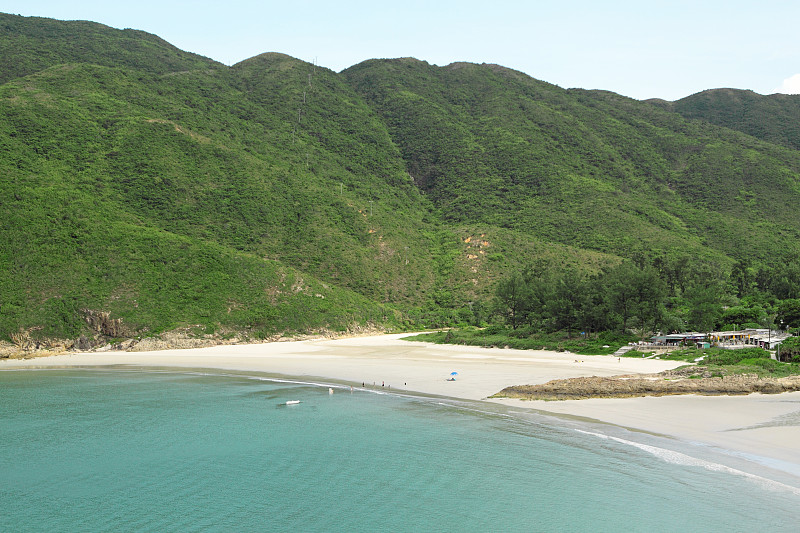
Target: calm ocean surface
[[117, 450]]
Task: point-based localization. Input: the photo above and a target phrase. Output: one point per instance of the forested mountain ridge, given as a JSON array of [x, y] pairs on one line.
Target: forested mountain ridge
[[168, 198], [167, 189], [587, 168], [32, 44], [774, 118]]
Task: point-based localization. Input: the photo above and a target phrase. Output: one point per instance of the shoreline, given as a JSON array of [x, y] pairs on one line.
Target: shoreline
[[763, 429]]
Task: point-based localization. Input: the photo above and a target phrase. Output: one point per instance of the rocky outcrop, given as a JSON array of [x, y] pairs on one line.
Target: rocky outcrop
[[102, 323], [179, 340], [663, 384], [24, 346], [106, 338]]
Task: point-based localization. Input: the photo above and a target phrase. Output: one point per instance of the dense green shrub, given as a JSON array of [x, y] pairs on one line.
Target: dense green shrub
[[769, 365], [732, 357], [789, 350]]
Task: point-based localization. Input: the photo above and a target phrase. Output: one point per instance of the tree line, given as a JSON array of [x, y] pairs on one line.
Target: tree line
[[646, 296]]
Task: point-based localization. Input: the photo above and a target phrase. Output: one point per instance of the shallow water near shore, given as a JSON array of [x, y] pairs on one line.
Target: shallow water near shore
[[110, 450]]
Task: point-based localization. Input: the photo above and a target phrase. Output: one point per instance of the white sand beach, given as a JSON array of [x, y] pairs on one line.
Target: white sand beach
[[766, 426]]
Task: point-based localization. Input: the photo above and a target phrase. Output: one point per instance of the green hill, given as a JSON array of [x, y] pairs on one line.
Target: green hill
[[585, 168], [132, 191], [169, 190], [113, 205], [774, 118], [32, 44]]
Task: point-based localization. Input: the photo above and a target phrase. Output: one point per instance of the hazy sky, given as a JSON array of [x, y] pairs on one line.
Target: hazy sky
[[642, 49]]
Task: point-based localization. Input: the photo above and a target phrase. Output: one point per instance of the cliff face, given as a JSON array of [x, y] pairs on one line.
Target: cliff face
[[663, 384]]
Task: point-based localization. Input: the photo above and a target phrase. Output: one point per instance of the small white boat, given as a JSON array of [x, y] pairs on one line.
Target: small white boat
[[292, 402]]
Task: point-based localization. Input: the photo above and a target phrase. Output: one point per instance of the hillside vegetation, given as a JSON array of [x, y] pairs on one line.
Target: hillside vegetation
[[585, 168], [32, 44], [167, 189], [774, 118], [180, 197]]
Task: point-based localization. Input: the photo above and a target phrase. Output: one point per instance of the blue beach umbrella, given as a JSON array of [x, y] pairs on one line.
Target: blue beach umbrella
[[453, 373]]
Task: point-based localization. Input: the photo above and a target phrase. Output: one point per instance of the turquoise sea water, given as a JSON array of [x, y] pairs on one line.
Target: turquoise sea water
[[123, 450]]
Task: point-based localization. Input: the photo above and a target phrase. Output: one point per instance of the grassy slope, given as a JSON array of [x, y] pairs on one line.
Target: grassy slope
[[350, 174], [588, 169], [31, 44], [144, 193], [106, 205], [774, 118]]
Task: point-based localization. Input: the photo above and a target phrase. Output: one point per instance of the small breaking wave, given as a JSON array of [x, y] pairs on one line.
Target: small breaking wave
[[678, 458]]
